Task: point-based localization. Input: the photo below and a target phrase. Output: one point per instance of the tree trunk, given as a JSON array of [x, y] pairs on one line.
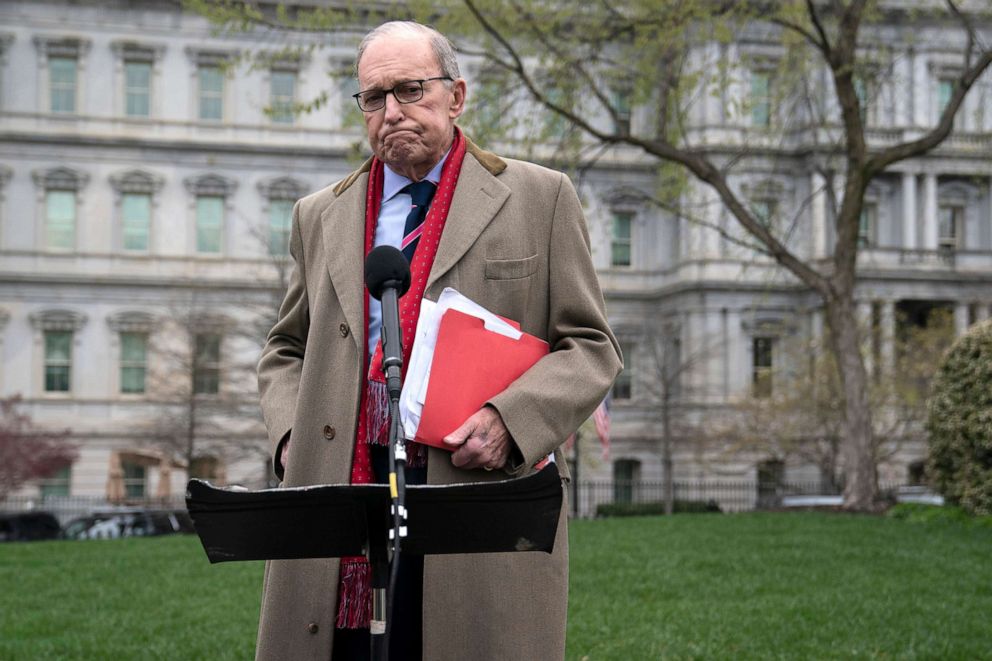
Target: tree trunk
[[666, 453], [858, 452]]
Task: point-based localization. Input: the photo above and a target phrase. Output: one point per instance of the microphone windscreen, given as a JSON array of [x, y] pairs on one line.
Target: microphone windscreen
[[383, 265]]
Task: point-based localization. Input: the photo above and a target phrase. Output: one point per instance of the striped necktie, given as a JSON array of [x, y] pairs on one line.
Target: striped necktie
[[421, 193]]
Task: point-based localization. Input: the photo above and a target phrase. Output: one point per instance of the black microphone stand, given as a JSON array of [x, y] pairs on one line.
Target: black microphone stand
[[384, 593]]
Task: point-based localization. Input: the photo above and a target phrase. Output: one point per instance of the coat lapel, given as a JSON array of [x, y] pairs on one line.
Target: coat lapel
[[478, 198], [343, 227]]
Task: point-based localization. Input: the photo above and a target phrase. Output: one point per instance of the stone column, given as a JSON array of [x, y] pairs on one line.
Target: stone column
[[930, 211], [909, 211], [960, 318], [864, 333], [888, 331], [818, 214]]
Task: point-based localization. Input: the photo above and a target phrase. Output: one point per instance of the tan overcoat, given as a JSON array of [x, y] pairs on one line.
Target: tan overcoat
[[515, 241]]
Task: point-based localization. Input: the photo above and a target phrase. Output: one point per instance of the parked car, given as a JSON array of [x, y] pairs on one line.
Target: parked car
[[112, 524], [28, 526]]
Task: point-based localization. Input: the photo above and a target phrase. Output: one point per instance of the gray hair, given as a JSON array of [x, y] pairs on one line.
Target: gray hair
[[444, 52]]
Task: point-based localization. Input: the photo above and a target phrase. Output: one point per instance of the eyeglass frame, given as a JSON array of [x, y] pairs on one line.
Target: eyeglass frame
[[392, 91]]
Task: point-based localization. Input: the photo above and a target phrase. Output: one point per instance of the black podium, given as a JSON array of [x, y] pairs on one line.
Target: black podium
[[347, 520], [333, 521]]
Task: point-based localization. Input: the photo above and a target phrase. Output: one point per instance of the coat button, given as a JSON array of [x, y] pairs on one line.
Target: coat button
[[313, 628], [329, 432], [345, 331]]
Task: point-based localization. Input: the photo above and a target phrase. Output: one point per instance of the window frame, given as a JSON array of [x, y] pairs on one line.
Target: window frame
[[619, 218], [282, 107], [622, 389], [126, 363], [207, 370], [61, 363], [762, 376]]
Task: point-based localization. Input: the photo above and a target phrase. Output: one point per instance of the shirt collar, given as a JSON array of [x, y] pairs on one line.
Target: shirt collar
[[393, 183]]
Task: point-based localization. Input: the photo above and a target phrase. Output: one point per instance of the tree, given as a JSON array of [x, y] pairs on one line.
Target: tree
[[960, 422], [203, 383], [597, 64], [797, 412], [670, 389], [28, 453]]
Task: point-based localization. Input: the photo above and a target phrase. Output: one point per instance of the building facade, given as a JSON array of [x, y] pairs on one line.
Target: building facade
[[147, 177]]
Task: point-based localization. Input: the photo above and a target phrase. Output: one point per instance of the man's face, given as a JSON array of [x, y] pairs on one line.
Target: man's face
[[409, 137]]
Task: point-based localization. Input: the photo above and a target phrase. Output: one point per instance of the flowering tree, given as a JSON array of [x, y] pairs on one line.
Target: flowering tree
[[28, 453]]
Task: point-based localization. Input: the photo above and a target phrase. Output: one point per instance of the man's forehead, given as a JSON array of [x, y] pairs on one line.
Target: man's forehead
[[392, 59]]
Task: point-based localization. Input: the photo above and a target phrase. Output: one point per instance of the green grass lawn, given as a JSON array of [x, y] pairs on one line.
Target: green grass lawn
[[789, 586]]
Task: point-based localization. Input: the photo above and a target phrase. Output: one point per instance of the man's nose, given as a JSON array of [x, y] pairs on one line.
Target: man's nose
[[393, 109]]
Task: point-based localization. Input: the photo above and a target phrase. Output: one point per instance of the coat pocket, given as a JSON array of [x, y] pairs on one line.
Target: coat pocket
[[511, 269]]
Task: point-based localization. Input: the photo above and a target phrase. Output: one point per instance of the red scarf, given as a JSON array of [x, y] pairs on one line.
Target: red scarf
[[355, 589]]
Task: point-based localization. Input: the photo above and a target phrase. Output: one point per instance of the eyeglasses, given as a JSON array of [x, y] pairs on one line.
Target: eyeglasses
[[409, 91]]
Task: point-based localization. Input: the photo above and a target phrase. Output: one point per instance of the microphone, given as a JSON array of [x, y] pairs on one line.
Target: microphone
[[387, 276]]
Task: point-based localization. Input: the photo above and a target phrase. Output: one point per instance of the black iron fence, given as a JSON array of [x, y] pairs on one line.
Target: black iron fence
[[585, 500], [589, 498], [66, 508]]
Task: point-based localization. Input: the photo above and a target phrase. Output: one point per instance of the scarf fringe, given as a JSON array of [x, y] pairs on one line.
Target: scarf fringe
[[355, 594], [377, 413]]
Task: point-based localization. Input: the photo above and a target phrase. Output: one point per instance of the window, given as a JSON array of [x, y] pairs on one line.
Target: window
[[209, 223], [626, 473], [62, 84], [620, 238], [137, 88], [280, 220], [61, 63], [945, 89], [60, 219], [211, 83], [206, 364], [623, 386], [620, 100], [56, 484], [762, 356], [135, 190], [771, 479], [282, 96], [867, 224], [136, 213], [134, 360], [59, 198], [134, 479], [765, 211], [950, 226], [761, 100], [58, 360]]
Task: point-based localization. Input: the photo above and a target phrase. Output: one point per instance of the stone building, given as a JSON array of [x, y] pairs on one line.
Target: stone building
[[147, 176]]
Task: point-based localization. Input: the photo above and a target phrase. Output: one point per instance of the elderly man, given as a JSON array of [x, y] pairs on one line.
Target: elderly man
[[507, 234]]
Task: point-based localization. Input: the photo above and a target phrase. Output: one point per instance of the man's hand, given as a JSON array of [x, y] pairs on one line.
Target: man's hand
[[482, 441]]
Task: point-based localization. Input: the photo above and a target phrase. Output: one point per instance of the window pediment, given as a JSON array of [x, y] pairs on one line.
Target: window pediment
[[60, 179], [57, 320], [282, 188], [62, 46], [211, 184], [137, 181], [131, 322]]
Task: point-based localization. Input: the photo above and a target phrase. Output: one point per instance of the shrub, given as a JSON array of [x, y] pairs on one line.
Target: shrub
[[960, 422], [655, 508]]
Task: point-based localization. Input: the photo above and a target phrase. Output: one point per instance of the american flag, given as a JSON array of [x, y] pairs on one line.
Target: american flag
[[601, 417]]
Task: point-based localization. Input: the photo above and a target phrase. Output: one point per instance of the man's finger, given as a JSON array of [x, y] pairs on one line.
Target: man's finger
[[462, 434]]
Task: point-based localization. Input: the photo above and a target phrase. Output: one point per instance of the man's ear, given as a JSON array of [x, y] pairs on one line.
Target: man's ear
[[458, 94]]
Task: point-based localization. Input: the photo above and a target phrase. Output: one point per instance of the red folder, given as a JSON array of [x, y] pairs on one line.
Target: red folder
[[471, 365]]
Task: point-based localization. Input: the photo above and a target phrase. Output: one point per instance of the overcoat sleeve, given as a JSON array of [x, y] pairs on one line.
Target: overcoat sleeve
[[281, 364], [551, 400]]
